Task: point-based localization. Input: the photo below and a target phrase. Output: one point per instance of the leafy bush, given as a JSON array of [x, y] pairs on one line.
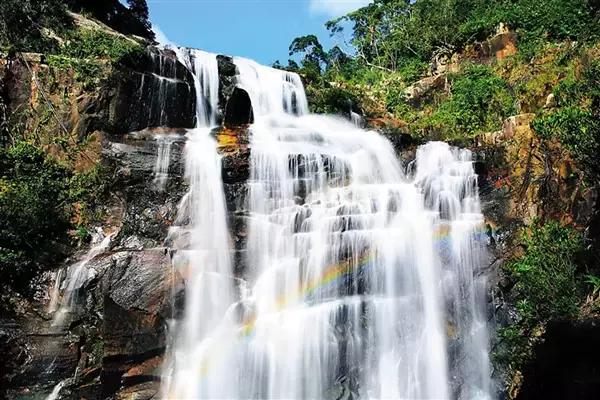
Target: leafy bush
[[545, 275], [577, 124], [479, 102], [331, 100], [546, 287], [89, 51], [34, 212], [97, 44], [579, 131], [22, 23]]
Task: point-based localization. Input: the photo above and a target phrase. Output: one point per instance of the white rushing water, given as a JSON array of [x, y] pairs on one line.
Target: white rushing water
[[356, 119], [163, 160], [204, 67], [56, 391], [201, 238], [77, 275], [361, 277]]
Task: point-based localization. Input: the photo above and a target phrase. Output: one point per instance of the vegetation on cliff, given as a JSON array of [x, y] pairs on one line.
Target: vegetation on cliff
[[51, 182], [39, 25]]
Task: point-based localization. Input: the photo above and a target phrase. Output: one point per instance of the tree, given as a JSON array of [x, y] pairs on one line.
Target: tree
[[139, 9], [314, 58], [23, 21]]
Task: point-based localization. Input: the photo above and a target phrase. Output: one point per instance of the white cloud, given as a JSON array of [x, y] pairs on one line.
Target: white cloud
[[336, 8]]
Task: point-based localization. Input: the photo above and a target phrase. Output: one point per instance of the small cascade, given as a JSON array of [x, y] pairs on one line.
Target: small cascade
[[56, 391], [205, 69], [272, 91], [160, 91], [163, 159], [76, 276], [356, 119], [201, 239]]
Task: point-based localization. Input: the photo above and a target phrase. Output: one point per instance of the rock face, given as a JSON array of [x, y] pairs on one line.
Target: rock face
[[112, 341], [157, 91], [160, 93], [420, 89], [539, 178]]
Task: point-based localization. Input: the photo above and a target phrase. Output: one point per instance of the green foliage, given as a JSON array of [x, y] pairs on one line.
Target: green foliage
[[88, 190], [139, 10], [386, 32], [546, 286], [313, 55], [98, 44], [23, 22], [578, 130], [34, 211], [89, 51], [87, 71], [577, 124], [40, 201], [545, 276], [594, 282], [479, 102], [331, 100], [412, 69]]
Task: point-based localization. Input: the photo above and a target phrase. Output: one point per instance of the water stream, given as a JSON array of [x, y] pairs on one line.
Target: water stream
[[364, 278]]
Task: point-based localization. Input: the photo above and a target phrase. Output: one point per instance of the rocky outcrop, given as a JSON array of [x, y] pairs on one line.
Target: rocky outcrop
[[227, 80], [159, 94], [149, 211], [155, 91], [419, 90], [538, 176], [110, 345]]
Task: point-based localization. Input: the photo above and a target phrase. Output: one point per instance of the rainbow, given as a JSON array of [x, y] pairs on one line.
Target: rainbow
[[330, 275], [335, 272]]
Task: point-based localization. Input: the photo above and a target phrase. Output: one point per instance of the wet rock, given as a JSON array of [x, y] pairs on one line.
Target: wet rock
[[149, 212], [136, 301], [238, 111], [227, 80], [136, 304], [158, 92], [142, 391]]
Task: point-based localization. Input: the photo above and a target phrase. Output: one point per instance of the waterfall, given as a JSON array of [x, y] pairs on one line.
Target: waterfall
[[356, 119], [271, 91], [364, 280], [163, 160], [76, 276], [204, 68], [201, 240]]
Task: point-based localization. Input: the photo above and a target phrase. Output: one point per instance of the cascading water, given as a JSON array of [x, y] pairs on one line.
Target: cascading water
[[76, 276], [204, 68], [361, 278], [271, 91], [161, 168], [201, 238], [356, 119]]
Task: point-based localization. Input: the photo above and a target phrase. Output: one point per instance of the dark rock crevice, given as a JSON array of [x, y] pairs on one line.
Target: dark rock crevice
[[238, 111], [566, 364]]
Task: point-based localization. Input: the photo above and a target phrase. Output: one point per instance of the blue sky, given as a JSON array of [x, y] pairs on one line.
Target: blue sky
[[258, 29]]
